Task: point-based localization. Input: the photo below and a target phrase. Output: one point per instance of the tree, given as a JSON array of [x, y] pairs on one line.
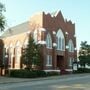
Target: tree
[[2, 18], [84, 54], [31, 54], [1, 52]]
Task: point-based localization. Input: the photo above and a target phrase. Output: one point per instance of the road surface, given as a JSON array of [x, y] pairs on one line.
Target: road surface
[[67, 83]]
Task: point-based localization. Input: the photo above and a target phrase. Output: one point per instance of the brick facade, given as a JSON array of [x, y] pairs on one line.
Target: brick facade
[[46, 26]]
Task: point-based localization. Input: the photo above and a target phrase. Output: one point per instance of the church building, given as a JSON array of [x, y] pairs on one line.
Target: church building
[[52, 31]]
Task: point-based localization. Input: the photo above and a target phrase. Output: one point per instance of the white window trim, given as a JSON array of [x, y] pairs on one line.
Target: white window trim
[[61, 36], [48, 42], [49, 48], [60, 50], [71, 46], [48, 65], [48, 62]]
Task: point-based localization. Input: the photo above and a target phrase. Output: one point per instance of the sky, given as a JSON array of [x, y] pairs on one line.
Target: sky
[[78, 11]]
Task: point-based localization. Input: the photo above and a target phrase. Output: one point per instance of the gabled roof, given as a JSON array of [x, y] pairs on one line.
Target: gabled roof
[[21, 28]]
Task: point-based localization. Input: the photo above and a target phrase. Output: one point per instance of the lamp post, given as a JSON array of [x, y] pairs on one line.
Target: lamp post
[[75, 63], [8, 63], [5, 64], [5, 61], [54, 55]]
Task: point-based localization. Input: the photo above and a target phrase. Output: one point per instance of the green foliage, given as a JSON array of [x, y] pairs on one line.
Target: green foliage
[[83, 60], [1, 52], [82, 70], [2, 18], [31, 54], [27, 73], [53, 73], [31, 74], [84, 54]]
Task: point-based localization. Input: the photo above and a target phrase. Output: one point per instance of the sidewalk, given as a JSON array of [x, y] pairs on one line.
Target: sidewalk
[[6, 80]]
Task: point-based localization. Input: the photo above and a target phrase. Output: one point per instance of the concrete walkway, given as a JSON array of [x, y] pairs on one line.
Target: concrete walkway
[[5, 80]]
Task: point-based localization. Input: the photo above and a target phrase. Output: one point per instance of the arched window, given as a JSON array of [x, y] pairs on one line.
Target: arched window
[[60, 40], [37, 35], [25, 43], [17, 52], [48, 41], [71, 46], [11, 54]]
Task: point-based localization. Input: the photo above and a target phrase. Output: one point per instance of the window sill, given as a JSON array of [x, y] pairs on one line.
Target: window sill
[[60, 50], [48, 65], [48, 48]]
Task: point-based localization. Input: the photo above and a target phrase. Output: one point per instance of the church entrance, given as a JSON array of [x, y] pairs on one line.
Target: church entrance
[[60, 61]]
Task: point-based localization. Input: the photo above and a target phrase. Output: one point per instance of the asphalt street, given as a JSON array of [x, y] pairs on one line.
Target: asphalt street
[[78, 82]]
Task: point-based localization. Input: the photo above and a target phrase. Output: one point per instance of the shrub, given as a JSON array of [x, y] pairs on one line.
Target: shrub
[[27, 73], [31, 74], [53, 73], [82, 70], [40, 73]]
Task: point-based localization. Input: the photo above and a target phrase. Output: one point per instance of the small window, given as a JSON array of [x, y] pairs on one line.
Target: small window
[[49, 60]]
